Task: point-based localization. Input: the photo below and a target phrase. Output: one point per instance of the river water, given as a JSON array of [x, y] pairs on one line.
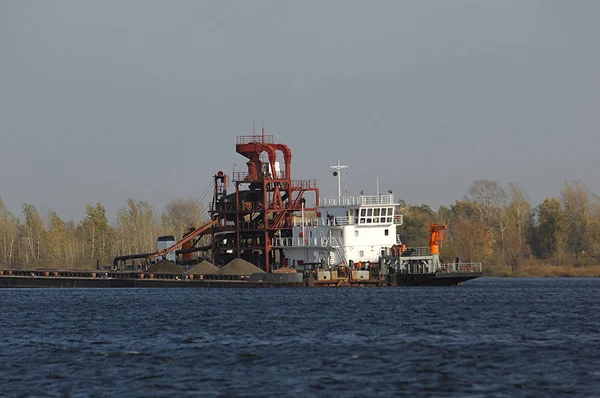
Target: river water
[[492, 337]]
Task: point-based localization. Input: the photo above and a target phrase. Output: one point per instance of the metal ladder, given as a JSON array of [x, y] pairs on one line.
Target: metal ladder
[[338, 249]]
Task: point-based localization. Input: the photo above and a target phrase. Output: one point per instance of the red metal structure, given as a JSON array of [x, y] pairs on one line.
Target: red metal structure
[[244, 223], [262, 206]]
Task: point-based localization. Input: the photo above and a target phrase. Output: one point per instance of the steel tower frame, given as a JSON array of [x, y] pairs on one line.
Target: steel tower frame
[[262, 207]]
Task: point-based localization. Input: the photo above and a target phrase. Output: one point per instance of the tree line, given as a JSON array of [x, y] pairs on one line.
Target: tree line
[[498, 225], [493, 224], [36, 240]]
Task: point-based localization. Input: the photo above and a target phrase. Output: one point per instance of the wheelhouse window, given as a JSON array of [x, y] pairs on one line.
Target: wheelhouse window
[[375, 215]]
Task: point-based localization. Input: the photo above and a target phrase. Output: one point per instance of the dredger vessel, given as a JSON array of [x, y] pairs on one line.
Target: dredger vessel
[[272, 230]]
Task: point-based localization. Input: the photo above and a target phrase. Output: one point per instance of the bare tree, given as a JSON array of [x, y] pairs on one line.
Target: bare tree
[[33, 235], [136, 228], [57, 240], [183, 214], [97, 233], [9, 233], [579, 206], [489, 198], [518, 221]]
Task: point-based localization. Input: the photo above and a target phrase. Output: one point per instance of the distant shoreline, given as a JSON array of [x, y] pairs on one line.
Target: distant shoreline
[[547, 271]]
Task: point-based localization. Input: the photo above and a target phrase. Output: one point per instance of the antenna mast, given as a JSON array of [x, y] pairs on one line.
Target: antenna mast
[[338, 173]]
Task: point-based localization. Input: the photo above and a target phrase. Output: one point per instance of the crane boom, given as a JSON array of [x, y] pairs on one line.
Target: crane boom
[[198, 231]]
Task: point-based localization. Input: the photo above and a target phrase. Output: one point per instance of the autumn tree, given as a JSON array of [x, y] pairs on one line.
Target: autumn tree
[[414, 229], [33, 235], [550, 228], [182, 214], [57, 240], [594, 230], [489, 198], [460, 209], [75, 246], [136, 228], [517, 221], [97, 233], [9, 234], [579, 206], [471, 240]]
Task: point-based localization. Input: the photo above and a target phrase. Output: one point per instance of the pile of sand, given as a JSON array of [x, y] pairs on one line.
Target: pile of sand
[[285, 270], [165, 267], [239, 267], [204, 268]]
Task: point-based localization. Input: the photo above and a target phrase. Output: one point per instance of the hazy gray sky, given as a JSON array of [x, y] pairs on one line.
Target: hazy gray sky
[[109, 100]]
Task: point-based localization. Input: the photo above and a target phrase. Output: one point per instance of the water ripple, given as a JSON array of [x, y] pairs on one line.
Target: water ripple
[[490, 337]]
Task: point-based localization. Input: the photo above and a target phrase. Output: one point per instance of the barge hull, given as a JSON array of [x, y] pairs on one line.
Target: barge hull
[[174, 281], [435, 279], [58, 282]]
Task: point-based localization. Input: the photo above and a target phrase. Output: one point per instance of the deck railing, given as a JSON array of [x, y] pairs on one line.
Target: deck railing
[[364, 200], [342, 221], [461, 267], [240, 176], [247, 139], [304, 184], [324, 241], [416, 252], [322, 221]]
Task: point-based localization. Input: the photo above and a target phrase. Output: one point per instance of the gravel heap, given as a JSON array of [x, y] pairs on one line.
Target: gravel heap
[[165, 267], [285, 270], [204, 268], [239, 267]]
